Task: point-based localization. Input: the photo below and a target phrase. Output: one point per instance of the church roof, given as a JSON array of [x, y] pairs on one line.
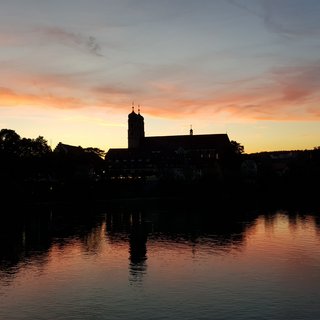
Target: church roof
[[187, 142]]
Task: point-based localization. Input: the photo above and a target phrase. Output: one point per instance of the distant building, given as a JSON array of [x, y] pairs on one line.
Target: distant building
[[67, 149], [78, 162], [182, 157]]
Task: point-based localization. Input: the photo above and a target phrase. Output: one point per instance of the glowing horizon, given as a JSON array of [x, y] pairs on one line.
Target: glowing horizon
[[248, 68]]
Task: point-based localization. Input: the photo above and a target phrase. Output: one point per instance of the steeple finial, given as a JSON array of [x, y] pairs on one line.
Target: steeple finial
[[132, 106], [191, 131], [138, 108]]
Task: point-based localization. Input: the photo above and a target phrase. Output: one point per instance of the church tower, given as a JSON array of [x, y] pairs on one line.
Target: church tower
[[135, 129]]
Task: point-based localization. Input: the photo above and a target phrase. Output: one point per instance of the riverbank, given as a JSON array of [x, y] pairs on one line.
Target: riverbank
[[206, 196]]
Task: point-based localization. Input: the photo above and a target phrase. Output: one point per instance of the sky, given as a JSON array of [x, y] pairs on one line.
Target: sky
[[71, 70]]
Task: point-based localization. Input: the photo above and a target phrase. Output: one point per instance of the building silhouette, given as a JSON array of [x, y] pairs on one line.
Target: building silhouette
[[135, 129], [178, 157]]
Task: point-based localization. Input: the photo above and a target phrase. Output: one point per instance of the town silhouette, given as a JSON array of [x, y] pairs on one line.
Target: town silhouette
[[206, 166], [168, 219]]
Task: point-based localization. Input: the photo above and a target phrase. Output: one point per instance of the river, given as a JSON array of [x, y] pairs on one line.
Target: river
[[159, 262]]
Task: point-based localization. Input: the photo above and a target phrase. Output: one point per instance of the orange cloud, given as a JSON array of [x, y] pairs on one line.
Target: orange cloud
[[11, 98], [289, 93], [284, 94]]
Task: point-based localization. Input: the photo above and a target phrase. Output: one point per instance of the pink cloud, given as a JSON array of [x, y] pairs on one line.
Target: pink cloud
[[10, 98], [298, 82], [285, 93]]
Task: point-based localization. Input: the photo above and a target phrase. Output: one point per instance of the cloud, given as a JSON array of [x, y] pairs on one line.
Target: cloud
[[292, 17], [107, 90], [11, 98], [60, 35], [288, 18], [298, 83], [244, 7], [280, 94], [7, 39], [290, 95]]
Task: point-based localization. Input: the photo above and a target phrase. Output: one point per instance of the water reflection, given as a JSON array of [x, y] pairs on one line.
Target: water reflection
[[184, 262], [27, 239], [22, 242], [31, 239], [216, 234], [137, 248]]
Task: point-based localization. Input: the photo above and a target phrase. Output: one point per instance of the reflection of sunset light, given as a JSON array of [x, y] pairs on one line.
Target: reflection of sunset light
[[278, 247], [277, 240]]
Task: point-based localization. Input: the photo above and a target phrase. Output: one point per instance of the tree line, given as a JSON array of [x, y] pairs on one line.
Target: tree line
[[31, 170], [12, 145]]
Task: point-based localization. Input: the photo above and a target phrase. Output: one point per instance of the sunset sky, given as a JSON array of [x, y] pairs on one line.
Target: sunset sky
[[70, 70]]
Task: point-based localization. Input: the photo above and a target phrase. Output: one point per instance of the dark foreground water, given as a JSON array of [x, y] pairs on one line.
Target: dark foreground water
[[126, 262]]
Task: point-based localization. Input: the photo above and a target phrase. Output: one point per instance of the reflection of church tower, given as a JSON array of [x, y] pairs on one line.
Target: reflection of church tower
[[137, 249], [135, 129]]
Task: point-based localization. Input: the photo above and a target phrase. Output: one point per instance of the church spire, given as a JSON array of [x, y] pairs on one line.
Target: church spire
[[135, 128]]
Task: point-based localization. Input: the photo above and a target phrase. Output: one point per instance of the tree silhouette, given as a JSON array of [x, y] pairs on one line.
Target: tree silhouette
[[237, 148], [34, 147], [9, 141], [12, 144], [95, 151]]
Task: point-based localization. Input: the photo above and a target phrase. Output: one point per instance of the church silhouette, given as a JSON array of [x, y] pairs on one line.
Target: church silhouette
[[178, 157]]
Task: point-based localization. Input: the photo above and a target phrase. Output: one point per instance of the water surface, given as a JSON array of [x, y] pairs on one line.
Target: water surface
[[151, 263]]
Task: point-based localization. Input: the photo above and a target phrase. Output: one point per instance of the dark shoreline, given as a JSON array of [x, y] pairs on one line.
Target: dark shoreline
[[231, 198]]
